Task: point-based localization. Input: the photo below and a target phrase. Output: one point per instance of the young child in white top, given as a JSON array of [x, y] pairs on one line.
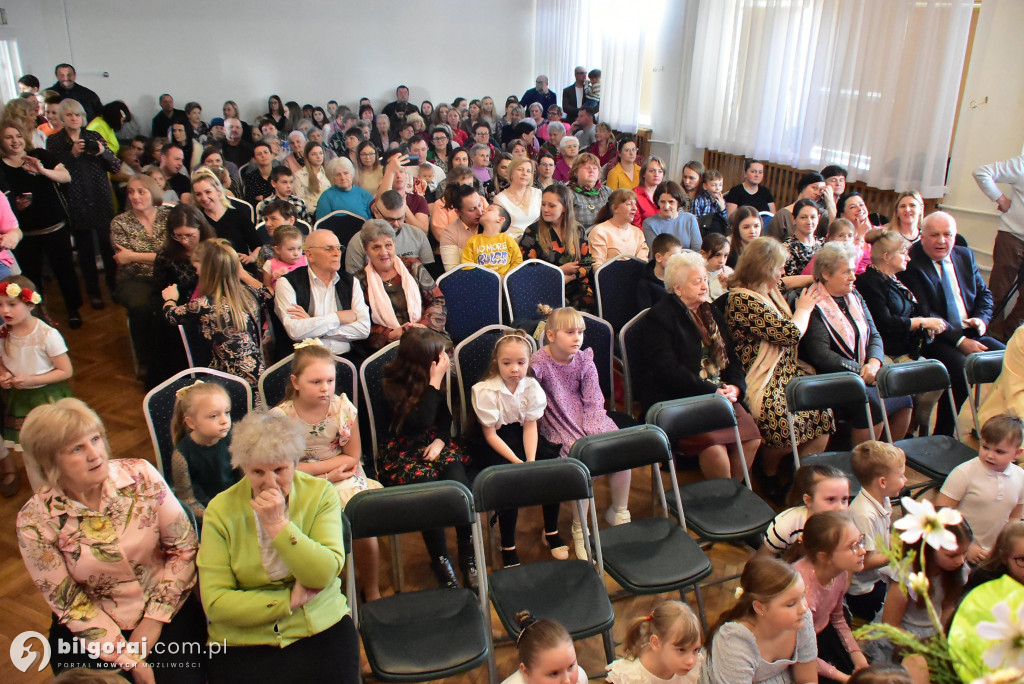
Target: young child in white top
[[508, 402], [715, 250], [988, 490], [881, 469], [546, 653], [35, 367], [661, 648], [816, 488]]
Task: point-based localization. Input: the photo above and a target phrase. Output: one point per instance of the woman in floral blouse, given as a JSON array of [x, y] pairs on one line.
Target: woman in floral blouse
[[112, 551], [556, 237]]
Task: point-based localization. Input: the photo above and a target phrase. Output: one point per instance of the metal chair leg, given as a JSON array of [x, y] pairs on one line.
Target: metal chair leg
[[700, 606], [609, 646]]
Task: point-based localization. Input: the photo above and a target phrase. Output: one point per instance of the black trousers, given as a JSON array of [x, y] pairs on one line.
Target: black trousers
[[435, 540], [183, 666], [953, 359], [56, 247], [330, 656], [86, 243]]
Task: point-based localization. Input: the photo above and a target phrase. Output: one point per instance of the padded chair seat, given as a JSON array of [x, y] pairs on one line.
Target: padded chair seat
[[423, 635], [678, 562], [936, 456], [837, 459], [723, 509], [567, 591]]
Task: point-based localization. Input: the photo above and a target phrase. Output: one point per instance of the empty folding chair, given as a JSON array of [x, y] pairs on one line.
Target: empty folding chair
[[651, 555], [820, 392], [569, 591], [616, 284], [981, 368], [418, 636], [721, 509], [473, 296], [631, 346], [935, 456]]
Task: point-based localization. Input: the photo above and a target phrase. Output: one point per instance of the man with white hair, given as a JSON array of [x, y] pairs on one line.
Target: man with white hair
[[947, 284]]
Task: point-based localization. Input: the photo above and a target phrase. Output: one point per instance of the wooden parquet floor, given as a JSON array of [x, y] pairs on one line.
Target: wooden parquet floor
[[104, 378]]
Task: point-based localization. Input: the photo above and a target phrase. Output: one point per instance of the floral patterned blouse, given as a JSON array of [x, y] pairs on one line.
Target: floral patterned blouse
[[103, 571], [578, 293], [799, 254], [325, 439], [128, 232]]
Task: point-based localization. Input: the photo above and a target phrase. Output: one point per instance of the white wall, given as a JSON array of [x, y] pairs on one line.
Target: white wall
[[989, 132], [310, 51]]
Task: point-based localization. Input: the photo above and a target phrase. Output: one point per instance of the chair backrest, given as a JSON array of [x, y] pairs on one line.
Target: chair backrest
[[600, 337], [766, 219], [409, 508], [242, 204], [303, 226], [472, 356], [274, 382], [371, 376], [981, 368], [633, 447], [342, 223], [531, 283], [535, 483], [197, 348], [158, 405], [631, 347], [616, 284], [824, 391], [473, 296], [916, 377]]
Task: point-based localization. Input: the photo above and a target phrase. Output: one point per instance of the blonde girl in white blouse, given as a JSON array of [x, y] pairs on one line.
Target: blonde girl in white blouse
[[520, 198], [508, 402]]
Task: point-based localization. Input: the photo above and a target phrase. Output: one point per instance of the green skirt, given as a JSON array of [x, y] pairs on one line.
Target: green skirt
[[20, 401]]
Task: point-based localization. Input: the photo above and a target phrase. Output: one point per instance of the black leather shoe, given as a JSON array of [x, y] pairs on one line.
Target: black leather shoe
[[467, 564], [442, 566], [74, 319]]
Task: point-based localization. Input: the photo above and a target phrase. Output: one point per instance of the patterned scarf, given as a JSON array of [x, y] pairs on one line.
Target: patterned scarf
[[838, 324], [711, 338]]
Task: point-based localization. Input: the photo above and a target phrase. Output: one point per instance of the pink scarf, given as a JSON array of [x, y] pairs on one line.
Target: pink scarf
[[838, 324], [381, 310]]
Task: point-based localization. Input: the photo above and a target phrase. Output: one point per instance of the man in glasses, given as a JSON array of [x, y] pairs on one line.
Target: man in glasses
[[320, 300], [541, 93], [409, 241], [572, 95]]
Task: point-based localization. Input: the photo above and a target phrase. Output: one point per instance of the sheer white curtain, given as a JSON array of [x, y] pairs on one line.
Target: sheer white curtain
[[596, 34], [871, 86]]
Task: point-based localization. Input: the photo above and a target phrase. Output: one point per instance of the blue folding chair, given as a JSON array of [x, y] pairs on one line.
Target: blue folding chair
[[631, 346], [600, 337], [473, 296], [244, 206], [531, 283], [158, 405], [472, 356], [616, 285]]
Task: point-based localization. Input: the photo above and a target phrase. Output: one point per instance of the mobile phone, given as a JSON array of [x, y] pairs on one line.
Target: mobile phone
[[413, 160]]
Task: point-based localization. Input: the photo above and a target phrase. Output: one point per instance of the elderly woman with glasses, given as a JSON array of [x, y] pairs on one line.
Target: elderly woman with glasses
[[343, 195], [400, 292]]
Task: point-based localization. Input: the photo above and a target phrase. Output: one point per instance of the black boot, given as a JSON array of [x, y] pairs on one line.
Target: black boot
[[467, 564], [442, 566]]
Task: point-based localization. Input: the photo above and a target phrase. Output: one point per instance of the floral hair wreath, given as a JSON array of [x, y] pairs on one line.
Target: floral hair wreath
[[184, 390], [308, 342], [27, 295]]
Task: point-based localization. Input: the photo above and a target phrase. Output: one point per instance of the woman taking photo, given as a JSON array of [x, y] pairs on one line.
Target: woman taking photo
[[652, 173], [520, 199], [270, 564], [138, 234], [626, 173], [33, 177], [557, 238], [90, 201], [311, 179], [228, 221], [841, 336], [766, 333], [113, 551], [689, 339], [589, 195], [400, 293]]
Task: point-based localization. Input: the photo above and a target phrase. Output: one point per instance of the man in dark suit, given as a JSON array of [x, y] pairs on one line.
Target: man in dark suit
[[572, 96], [946, 281]]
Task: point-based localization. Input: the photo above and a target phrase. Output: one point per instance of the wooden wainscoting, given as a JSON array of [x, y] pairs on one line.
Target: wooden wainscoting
[[782, 181]]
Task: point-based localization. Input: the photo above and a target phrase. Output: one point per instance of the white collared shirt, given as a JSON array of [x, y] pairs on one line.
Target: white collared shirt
[[323, 321], [986, 497], [496, 406], [872, 518]]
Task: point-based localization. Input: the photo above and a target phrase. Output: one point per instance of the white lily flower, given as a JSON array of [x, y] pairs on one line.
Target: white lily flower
[[1008, 635], [922, 520], [918, 583], [1008, 676]]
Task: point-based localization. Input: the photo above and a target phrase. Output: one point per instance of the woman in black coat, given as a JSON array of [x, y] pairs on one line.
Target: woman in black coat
[[688, 354]]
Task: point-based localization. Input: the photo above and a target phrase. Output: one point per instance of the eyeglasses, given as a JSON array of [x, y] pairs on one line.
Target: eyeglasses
[[330, 249], [368, 155], [188, 237], [393, 219], [1019, 561], [440, 138], [859, 544]]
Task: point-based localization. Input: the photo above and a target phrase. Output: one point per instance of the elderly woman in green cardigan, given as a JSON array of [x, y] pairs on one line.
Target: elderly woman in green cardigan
[[269, 566]]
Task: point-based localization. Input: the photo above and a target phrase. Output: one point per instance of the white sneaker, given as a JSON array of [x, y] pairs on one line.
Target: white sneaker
[[578, 542], [617, 517]]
